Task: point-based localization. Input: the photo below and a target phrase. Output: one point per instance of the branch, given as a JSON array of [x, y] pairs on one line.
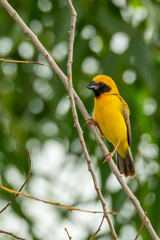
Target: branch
[[99, 229], [29, 173], [75, 115], [53, 203], [11, 234], [69, 237], [17, 61], [141, 226], [83, 111]]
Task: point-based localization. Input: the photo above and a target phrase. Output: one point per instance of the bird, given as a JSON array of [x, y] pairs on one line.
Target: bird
[[111, 116]]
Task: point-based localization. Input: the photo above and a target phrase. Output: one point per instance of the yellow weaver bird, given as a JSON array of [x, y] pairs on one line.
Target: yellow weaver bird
[[111, 115]]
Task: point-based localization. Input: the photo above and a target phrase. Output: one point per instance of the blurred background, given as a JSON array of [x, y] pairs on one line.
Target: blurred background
[[118, 38]]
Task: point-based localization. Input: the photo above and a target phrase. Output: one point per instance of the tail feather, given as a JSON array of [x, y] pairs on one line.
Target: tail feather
[[126, 166]]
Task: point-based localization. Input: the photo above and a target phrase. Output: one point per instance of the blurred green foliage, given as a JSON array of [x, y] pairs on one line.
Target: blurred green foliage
[[117, 38]]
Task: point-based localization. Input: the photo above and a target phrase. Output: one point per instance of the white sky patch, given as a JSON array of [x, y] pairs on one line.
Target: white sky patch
[[127, 232], [48, 160], [112, 184], [76, 146], [13, 176], [148, 150], [127, 211], [58, 178], [11, 222]]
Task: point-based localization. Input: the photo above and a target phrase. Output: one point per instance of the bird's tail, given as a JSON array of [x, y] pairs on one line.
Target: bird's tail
[[126, 166]]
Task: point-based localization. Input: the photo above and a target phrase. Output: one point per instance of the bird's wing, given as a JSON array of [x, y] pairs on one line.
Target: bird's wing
[[126, 113], [125, 105]]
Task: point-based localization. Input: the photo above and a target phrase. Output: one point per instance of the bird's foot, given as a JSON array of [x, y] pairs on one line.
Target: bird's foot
[[110, 155], [90, 122]]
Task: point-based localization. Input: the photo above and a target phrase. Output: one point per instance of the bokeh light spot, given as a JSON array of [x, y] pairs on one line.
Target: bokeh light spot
[[43, 88], [148, 149], [43, 72], [33, 144], [36, 106], [119, 42], [96, 44], [139, 15], [9, 68], [119, 3], [45, 5], [90, 65], [63, 106], [26, 50], [49, 128], [129, 76], [149, 199], [5, 46], [149, 106], [60, 51], [88, 32], [36, 26]]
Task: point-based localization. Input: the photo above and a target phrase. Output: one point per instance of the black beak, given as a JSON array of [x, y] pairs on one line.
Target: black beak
[[93, 86]]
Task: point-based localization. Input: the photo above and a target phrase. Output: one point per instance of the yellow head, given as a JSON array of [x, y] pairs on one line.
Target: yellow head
[[103, 84]]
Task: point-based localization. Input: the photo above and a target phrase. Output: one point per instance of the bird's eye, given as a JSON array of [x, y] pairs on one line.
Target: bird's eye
[[101, 84]]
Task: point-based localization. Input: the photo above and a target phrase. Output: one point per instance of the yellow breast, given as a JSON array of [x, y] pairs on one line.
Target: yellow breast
[[108, 112]]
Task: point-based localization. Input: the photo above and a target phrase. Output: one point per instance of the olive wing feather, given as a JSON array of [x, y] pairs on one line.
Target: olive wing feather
[[125, 113]]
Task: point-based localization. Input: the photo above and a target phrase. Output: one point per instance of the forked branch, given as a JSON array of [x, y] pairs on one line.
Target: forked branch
[[29, 173], [75, 115]]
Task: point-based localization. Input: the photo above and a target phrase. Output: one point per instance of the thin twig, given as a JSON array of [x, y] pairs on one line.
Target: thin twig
[[53, 203], [83, 111], [12, 235], [29, 173], [143, 223], [75, 115], [17, 61], [69, 237], [99, 229]]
